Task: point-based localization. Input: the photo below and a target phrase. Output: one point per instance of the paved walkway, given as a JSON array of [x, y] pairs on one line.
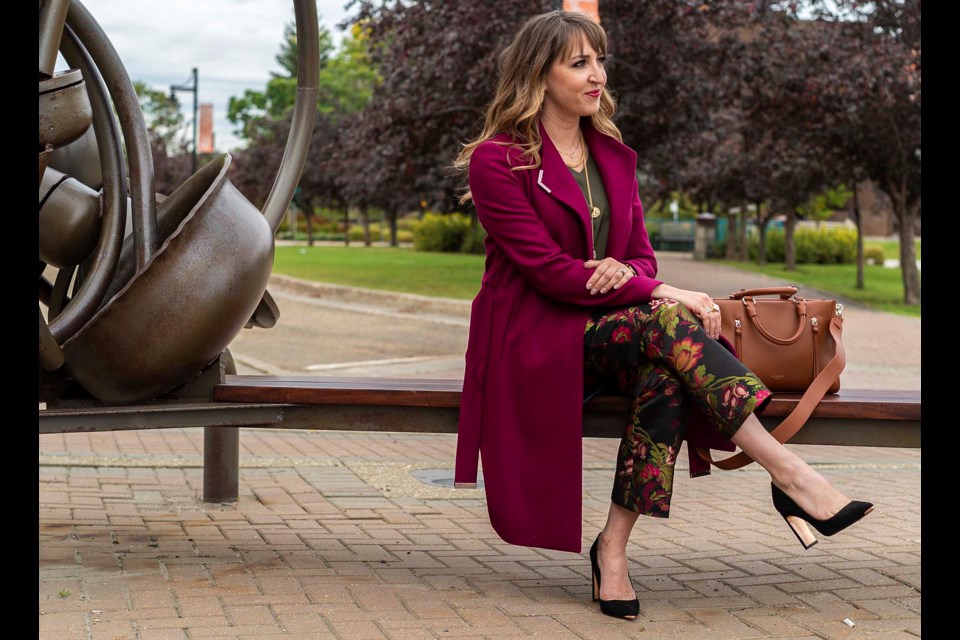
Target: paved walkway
[[335, 536]]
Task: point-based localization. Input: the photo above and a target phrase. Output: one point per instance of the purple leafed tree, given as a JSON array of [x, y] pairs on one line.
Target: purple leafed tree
[[734, 102], [437, 61], [872, 102]]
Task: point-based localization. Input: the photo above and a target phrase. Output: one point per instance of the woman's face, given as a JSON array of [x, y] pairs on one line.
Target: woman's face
[[574, 83]]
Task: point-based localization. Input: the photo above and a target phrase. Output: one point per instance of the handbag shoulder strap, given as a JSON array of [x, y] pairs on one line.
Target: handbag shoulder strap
[[801, 413]]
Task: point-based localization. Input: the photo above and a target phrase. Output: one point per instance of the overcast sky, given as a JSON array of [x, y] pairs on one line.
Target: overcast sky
[[232, 43]]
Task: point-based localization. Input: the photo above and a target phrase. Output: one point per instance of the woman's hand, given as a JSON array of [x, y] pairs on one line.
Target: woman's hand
[[698, 302], [608, 274]]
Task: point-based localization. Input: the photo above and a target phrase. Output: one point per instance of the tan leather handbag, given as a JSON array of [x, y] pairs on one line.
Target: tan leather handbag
[[791, 343]]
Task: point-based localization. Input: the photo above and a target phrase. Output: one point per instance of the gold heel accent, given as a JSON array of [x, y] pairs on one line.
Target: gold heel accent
[[802, 531], [798, 519]]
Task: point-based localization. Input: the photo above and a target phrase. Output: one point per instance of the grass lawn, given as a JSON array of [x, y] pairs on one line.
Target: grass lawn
[[883, 287], [447, 275], [454, 275]]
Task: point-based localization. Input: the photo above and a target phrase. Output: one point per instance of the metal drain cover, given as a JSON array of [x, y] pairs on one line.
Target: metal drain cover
[[440, 477]]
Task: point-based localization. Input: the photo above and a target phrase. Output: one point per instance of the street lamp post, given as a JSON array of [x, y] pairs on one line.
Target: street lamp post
[[193, 89]]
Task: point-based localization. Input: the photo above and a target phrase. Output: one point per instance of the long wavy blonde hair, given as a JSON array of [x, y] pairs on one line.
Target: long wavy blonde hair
[[521, 79]]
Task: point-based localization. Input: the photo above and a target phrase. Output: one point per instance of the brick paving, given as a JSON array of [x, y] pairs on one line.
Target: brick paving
[[334, 537]]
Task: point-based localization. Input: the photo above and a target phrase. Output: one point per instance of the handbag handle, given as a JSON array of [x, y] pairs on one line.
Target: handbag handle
[[805, 407], [784, 292], [755, 319]]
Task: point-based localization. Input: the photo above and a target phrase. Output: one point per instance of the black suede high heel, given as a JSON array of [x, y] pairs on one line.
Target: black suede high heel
[[627, 609], [797, 518]]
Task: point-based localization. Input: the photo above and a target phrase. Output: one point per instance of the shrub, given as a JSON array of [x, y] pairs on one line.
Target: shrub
[[356, 233], [775, 246], [323, 227], [319, 225], [653, 227], [441, 232], [407, 222], [826, 245], [473, 240], [873, 255]]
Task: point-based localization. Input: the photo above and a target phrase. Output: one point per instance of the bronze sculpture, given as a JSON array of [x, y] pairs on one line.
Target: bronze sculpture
[[143, 302]]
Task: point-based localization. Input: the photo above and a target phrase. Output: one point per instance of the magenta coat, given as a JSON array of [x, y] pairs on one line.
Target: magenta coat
[[523, 385]]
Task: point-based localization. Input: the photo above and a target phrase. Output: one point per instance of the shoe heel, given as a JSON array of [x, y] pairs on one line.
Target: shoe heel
[[627, 609], [802, 531], [595, 570], [798, 519]]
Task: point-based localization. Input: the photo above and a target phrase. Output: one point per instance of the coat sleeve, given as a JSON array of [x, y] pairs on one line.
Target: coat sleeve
[[511, 221]]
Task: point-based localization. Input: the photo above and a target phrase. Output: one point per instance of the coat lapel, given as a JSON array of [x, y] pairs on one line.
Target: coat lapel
[[618, 168], [556, 177]]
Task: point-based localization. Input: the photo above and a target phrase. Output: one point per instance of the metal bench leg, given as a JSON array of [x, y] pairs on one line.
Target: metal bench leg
[[221, 464], [221, 450]]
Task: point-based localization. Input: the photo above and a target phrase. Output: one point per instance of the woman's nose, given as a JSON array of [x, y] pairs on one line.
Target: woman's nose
[[597, 74]]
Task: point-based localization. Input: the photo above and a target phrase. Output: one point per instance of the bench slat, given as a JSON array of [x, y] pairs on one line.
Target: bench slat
[[393, 392], [864, 404]]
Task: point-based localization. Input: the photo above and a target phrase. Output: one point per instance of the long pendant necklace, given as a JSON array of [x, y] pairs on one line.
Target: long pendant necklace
[[594, 211]]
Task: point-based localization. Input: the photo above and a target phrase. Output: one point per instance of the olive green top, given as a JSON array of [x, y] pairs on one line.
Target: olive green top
[[601, 226]]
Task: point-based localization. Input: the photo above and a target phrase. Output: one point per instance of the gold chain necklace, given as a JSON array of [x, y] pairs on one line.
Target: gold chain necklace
[[578, 162], [594, 211]]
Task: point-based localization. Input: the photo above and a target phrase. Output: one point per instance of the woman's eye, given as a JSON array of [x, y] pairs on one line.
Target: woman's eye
[[581, 63]]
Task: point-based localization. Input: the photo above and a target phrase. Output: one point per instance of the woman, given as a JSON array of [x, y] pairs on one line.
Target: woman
[[570, 300]]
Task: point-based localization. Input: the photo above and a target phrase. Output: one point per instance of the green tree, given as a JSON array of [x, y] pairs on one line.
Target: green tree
[[346, 83], [163, 117], [822, 205], [251, 111], [287, 58], [169, 141], [348, 80]]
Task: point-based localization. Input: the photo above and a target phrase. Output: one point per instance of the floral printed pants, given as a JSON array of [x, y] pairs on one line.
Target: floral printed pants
[[659, 355]]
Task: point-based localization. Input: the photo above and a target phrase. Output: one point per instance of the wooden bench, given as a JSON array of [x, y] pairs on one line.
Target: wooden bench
[[672, 235], [853, 417]]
